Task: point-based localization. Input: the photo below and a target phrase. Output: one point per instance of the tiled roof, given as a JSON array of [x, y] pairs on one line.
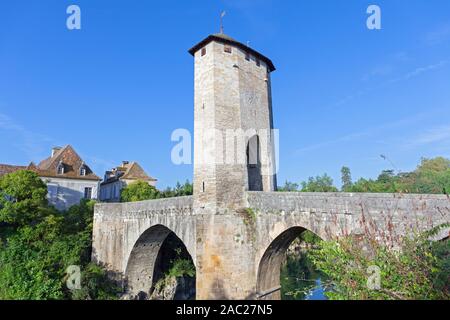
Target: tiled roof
[[129, 171], [71, 162], [7, 168], [66, 156], [223, 38]]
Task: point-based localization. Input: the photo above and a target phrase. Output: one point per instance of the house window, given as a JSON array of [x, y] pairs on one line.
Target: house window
[[258, 63], [247, 56], [227, 49], [203, 51], [60, 169], [88, 193], [82, 171]]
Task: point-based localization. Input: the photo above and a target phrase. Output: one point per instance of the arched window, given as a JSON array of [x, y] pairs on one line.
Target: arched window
[[253, 153], [254, 164]]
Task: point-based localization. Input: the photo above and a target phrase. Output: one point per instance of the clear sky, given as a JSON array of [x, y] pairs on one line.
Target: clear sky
[[117, 88]]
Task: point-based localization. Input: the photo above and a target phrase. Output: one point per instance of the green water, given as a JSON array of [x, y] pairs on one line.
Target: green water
[[301, 281]]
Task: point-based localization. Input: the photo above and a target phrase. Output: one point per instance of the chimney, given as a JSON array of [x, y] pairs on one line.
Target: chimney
[[55, 150]]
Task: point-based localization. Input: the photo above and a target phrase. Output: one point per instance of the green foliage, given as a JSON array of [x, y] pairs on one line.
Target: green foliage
[[289, 187], [139, 191], [309, 237], [438, 164], [182, 267], [322, 183], [22, 198], [95, 285], [417, 270], [432, 176], [249, 216], [38, 243], [179, 267], [179, 191], [346, 178]]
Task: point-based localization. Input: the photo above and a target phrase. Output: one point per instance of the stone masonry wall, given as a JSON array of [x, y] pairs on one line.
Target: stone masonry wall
[[336, 214], [118, 226]]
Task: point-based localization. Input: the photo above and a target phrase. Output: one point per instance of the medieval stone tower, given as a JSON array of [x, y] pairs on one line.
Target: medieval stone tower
[[234, 141]]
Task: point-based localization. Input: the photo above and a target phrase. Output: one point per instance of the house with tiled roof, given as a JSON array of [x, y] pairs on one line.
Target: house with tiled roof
[[69, 179], [119, 177], [7, 168]]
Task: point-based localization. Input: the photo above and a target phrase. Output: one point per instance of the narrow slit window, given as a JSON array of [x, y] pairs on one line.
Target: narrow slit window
[[203, 51], [203, 186], [247, 56], [227, 49], [258, 63]]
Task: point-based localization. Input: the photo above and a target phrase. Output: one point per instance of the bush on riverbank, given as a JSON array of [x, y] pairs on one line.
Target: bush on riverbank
[[418, 269], [38, 243]]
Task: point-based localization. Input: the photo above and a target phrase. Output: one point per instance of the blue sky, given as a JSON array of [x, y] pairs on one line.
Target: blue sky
[[117, 88]]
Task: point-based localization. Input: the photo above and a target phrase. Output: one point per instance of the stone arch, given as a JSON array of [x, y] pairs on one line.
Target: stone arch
[[268, 276], [254, 164], [150, 258]]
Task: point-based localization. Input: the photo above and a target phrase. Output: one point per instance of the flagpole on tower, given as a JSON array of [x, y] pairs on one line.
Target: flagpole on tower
[[222, 14]]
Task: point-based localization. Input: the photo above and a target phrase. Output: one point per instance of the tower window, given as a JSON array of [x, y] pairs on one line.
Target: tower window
[[203, 51], [247, 56], [82, 171], [227, 49], [203, 186], [258, 63]]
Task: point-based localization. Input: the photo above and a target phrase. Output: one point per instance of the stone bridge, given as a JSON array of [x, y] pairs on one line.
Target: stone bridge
[[238, 254], [235, 228]]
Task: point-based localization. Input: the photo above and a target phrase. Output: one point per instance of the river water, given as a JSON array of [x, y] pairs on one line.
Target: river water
[[301, 281]]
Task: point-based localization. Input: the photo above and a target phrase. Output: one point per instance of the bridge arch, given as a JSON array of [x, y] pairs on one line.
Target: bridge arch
[[150, 259], [268, 276]]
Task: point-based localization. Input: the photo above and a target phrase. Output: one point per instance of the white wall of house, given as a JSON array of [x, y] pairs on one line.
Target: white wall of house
[[64, 193], [110, 192]]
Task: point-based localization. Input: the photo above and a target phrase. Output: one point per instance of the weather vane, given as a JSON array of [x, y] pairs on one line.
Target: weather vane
[[222, 14]]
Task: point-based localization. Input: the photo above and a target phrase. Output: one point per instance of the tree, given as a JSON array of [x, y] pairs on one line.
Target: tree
[[38, 243], [22, 198], [289, 187], [139, 191], [432, 176], [346, 178], [438, 164], [179, 191], [322, 183], [386, 176]]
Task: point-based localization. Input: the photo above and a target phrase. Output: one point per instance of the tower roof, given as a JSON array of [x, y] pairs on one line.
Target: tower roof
[[223, 38]]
